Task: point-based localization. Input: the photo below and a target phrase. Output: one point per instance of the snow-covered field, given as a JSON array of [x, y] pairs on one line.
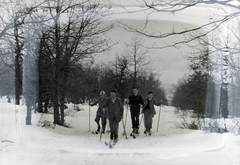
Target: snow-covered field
[[21, 144]]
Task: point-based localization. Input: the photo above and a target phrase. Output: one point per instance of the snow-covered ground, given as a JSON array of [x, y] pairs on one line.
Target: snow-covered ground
[[22, 144]]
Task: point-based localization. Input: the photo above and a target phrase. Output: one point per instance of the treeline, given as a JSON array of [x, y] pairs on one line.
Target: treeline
[[84, 80], [7, 81], [199, 91], [49, 47], [90, 80], [191, 91]]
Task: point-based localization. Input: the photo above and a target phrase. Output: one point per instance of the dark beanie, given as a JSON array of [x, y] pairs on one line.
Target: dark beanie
[[150, 92], [113, 91], [135, 87]]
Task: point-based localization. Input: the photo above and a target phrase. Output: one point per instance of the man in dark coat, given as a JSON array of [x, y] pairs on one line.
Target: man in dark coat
[[101, 114], [135, 100], [114, 107]]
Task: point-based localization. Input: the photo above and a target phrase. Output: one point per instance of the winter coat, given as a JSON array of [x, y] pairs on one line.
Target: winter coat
[[100, 102], [135, 101], [114, 109], [150, 110]]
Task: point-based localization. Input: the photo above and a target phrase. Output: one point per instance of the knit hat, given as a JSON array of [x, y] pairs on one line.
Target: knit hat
[[150, 92], [113, 91]]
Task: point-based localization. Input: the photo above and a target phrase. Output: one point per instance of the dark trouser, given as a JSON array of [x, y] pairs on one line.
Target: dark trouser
[[104, 122], [135, 111], [148, 119], [113, 128]]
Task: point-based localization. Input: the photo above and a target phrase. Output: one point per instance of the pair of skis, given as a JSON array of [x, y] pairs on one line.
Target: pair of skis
[[111, 143]]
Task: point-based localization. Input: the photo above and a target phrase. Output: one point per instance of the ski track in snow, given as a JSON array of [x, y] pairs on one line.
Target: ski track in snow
[[35, 145]]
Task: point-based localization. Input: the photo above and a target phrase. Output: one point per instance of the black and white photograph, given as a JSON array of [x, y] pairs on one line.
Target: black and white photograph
[[119, 82]]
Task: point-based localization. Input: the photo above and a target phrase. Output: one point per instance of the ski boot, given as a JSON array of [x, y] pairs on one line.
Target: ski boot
[[96, 132], [147, 132], [137, 132], [103, 130], [133, 132]]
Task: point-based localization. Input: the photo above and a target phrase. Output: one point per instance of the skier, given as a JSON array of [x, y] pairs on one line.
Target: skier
[[114, 106], [135, 101], [149, 112], [100, 114]]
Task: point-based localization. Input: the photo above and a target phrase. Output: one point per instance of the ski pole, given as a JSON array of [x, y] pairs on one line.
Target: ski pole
[[141, 121], [101, 135], [89, 117], [108, 127], [102, 118], [141, 117], [126, 117], [101, 131], [108, 131], [159, 116], [124, 130], [104, 124]]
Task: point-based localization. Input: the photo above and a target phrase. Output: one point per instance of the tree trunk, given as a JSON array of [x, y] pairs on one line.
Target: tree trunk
[[29, 116], [46, 103], [62, 94], [55, 105], [18, 68], [223, 108], [56, 73], [135, 65], [40, 100], [62, 105], [55, 95]]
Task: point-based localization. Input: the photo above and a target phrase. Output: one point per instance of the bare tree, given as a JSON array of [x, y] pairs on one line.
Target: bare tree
[[214, 33], [118, 75], [13, 17], [33, 30], [76, 34], [138, 57]]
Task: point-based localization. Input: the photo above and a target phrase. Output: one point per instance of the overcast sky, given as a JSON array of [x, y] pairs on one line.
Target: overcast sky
[[170, 62]]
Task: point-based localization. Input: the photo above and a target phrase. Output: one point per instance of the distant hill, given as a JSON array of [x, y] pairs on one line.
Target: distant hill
[[168, 89]]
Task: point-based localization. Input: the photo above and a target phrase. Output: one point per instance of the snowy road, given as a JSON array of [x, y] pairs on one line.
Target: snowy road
[[35, 145]]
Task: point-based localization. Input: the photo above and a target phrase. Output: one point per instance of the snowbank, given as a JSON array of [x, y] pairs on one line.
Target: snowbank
[[36, 145]]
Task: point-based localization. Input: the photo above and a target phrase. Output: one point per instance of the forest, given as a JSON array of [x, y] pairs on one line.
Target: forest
[[48, 51]]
